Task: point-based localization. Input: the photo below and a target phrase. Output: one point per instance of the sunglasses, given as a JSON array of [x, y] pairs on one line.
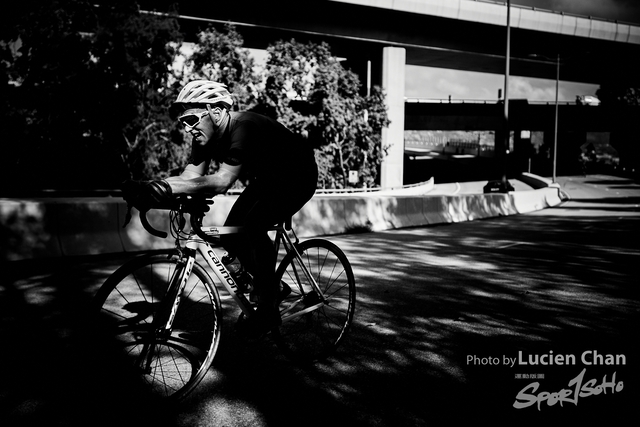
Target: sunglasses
[[191, 120]]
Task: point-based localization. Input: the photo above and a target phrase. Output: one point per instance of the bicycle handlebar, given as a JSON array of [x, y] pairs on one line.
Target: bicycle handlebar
[[195, 207], [145, 223], [196, 226]]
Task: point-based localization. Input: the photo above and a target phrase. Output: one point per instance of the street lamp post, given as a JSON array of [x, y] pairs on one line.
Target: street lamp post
[[555, 123], [555, 129], [501, 147], [507, 133]]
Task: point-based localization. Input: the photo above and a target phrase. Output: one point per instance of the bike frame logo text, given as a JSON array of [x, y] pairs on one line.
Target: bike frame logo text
[[223, 271]]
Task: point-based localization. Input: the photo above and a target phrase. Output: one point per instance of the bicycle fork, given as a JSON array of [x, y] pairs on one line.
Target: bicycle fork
[[167, 313], [163, 319]]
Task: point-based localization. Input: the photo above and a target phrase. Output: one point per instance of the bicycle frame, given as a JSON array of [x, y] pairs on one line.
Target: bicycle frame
[[166, 311], [195, 244]]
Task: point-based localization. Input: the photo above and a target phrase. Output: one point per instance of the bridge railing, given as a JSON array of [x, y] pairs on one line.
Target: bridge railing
[[477, 101]]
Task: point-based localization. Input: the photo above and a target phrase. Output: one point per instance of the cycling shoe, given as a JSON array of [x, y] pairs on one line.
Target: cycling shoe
[[261, 322]]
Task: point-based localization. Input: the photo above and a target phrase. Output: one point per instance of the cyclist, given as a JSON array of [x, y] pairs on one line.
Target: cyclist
[[277, 167]]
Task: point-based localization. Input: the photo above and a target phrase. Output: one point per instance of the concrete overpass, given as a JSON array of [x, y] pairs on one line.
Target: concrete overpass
[[462, 34], [456, 34]]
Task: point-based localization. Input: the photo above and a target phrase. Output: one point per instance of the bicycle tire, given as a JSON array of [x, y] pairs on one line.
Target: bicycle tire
[[315, 335], [126, 305]]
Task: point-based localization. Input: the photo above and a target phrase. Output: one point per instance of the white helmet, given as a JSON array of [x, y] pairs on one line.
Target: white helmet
[[203, 92]]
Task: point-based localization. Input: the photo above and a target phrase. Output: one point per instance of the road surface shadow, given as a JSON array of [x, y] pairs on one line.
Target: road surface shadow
[[442, 312]]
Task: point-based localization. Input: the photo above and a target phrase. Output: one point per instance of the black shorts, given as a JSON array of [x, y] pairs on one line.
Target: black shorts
[[266, 202]]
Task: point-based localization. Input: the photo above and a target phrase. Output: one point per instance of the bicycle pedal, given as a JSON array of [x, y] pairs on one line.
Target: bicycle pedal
[[258, 325], [253, 299], [311, 298]]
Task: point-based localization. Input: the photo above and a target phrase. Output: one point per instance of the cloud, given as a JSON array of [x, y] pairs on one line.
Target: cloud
[[522, 88], [439, 83], [545, 90], [455, 89]]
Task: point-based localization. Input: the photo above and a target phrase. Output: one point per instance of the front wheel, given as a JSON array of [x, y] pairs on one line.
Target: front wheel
[[169, 364], [312, 328]]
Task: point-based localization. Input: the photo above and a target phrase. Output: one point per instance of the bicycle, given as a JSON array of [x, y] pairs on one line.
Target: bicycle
[[164, 308]]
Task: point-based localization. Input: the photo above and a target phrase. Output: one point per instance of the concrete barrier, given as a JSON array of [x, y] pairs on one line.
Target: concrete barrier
[[435, 210], [66, 227], [320, 216], [27, 230], [535, 200], [536, 181], [86, 227]]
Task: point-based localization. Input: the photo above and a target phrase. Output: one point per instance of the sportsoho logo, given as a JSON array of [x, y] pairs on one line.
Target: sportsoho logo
[[577, 388]]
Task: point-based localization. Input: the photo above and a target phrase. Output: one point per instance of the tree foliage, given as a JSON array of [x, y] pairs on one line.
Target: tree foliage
[[311, 93], [616, 94], [220, 56], [134, 52], [86, 90], [49, 61]]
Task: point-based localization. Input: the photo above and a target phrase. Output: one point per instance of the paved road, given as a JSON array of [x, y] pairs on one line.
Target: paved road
[[440, 310], [475, 187]]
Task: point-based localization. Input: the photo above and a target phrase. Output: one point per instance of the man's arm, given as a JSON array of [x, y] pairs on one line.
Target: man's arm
[[194, 171], [191, 182]]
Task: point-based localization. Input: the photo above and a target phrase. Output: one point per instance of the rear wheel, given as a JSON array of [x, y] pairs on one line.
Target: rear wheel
[[312, 329], [169, 364]]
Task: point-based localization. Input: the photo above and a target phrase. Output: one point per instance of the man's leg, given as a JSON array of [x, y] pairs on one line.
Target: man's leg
[[258, 209]]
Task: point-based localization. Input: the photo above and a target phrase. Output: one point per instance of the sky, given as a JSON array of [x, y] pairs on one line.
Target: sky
[[440, 83], [437, 83]]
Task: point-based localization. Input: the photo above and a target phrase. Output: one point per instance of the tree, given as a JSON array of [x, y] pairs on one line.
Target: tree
[[312, 94], [86, 87], [219, 56], [134, 52], [48, 63], [86, 90], [618, 94]]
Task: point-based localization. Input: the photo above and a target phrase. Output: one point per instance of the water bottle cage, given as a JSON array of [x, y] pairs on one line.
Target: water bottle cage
[[244, 280]]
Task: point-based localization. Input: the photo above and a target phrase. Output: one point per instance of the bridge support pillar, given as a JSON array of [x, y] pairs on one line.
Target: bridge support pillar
[[393, 72]]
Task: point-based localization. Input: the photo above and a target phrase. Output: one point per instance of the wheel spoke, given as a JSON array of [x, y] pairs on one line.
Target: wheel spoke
[[171, 365], [313, 329]]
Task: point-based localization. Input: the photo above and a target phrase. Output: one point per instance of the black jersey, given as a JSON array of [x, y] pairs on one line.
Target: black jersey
[[261, 145]]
